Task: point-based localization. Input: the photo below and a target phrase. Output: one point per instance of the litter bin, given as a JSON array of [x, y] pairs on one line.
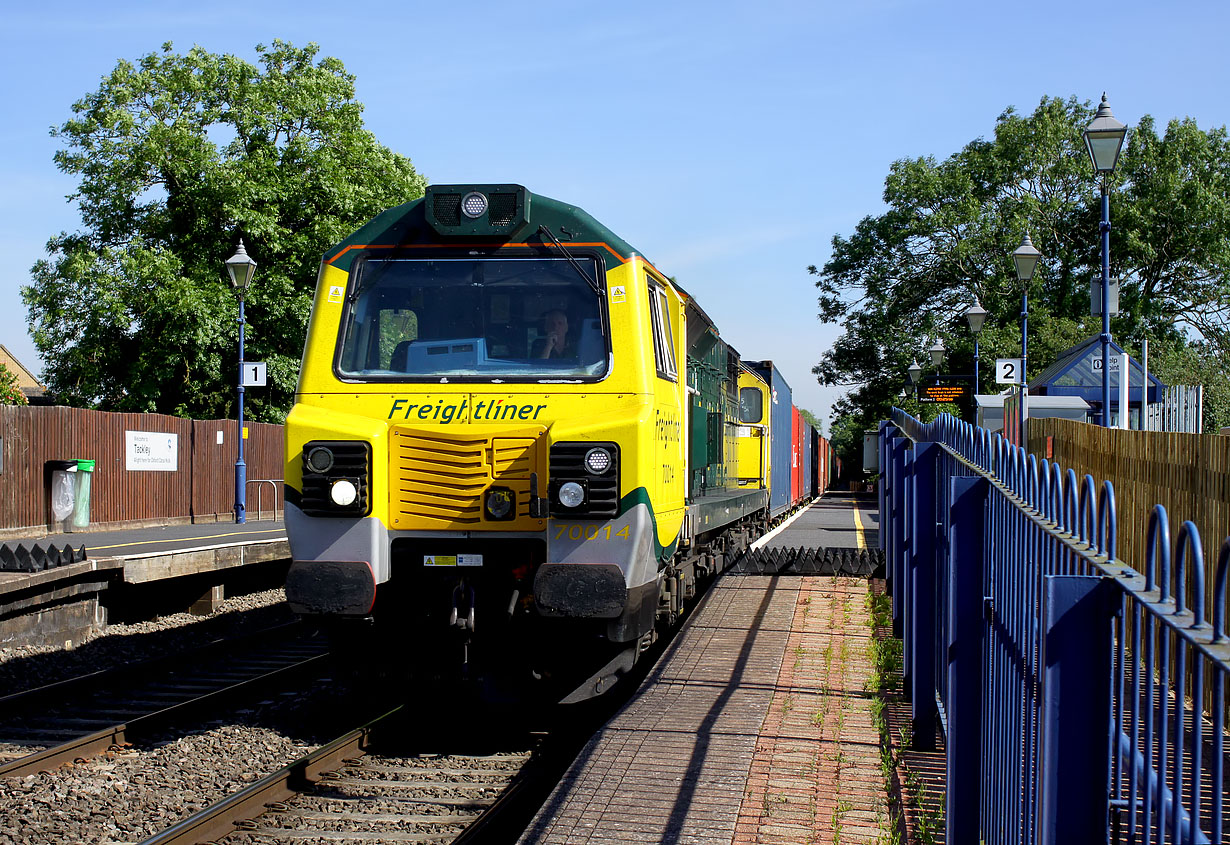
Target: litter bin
[[61, 493], [68, 494], [81, 501]]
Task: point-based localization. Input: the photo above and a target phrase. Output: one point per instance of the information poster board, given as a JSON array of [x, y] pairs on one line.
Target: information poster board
[[946, 389]]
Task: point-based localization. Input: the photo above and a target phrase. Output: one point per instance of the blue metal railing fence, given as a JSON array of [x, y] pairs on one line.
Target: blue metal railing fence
[[1013, 609]]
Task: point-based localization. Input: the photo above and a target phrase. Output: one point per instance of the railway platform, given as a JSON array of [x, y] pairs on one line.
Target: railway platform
[[64, 602], [756, 724]]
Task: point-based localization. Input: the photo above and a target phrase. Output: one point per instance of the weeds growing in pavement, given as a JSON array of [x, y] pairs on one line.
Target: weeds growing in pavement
[[835, 822], [886, 832], [927, 815], [886, 659]]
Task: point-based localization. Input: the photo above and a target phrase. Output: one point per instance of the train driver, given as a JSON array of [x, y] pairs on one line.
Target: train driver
[[554, 341]]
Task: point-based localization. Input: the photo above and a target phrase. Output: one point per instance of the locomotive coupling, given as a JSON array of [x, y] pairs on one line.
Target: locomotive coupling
[[461, 615]]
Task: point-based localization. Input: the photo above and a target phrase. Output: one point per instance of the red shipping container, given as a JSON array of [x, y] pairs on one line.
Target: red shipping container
[[796, 466]]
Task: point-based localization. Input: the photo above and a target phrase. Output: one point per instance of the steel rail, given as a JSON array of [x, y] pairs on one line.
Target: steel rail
[[95, 743], [219, 819]]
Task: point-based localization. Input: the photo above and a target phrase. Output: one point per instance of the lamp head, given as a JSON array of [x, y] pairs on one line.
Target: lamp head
[[1104, 139], [937, 353], [1026, 258], [241, 268], [915, 371], [976, 316]]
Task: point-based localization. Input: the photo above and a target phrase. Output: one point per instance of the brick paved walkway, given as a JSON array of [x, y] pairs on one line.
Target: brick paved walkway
[[753, 728], [816, 774]]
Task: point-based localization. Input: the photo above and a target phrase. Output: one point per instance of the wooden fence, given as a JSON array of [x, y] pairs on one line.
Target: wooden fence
[[125, 488], [1188, 474]]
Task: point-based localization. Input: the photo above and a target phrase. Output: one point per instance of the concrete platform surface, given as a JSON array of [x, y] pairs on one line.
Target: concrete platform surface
[[65, 603], [835, 519], [134, 542]]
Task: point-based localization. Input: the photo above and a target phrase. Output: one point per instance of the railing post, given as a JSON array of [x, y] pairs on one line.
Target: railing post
[[1074, 764], [887, 431], [966, 543], [905, 522], [921, 616], [896, 527]]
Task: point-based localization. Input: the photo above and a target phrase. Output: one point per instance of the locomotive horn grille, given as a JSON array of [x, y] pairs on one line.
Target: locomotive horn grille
[[507, 212]]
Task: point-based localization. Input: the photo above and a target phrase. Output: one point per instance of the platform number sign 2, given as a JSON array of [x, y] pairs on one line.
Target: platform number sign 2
[[252, 373], [1007, 370]]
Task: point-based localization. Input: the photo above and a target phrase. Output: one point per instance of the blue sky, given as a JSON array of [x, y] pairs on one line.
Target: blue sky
[[728, 142]]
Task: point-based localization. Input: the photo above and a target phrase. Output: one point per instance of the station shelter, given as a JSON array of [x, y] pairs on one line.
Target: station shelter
[[1077, 372]]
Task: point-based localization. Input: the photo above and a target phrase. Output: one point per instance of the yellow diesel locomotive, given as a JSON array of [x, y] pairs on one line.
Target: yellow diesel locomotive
[[516, 445]]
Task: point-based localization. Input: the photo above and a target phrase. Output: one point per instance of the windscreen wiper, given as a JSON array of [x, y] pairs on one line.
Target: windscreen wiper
[[576, 265]]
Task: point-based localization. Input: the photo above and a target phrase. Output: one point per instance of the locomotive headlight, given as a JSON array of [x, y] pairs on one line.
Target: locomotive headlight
[[597, 460], [571, 494], [474, 205], [499, 503], [343, 492], [320, 459]]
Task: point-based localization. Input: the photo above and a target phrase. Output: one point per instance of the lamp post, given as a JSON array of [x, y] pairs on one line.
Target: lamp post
[[915, 372], [1104, 139], [240, 267], [1025, 258], [976, 316]]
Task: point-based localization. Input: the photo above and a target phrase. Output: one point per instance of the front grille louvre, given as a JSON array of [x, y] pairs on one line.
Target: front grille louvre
[[351, 459], [438, 478], [568, 464]]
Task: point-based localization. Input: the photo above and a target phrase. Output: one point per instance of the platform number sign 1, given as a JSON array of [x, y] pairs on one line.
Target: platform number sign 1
[[252, 373], [1007, 370]]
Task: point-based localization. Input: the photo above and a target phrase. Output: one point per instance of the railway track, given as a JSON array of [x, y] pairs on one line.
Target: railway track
[[413, 775], [82, 717], [428, 772], [350, 790]]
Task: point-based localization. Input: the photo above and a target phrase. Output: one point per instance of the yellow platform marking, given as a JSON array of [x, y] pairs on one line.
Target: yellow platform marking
[[858, 530], [185, 539]]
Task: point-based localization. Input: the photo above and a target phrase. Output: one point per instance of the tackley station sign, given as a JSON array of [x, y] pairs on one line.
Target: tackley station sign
[[151, 451]]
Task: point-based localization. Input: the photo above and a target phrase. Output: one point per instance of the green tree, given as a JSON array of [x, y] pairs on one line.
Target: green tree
[[10, 393], [177, 157], [904, 277], [812, 420], [847, 442]]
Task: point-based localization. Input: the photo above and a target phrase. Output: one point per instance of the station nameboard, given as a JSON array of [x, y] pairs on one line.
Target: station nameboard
[[151, 451], [945, 389]]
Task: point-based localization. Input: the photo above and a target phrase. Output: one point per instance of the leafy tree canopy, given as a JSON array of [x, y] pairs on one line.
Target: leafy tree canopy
[[812, 420], [179, 156], [905, 277]]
